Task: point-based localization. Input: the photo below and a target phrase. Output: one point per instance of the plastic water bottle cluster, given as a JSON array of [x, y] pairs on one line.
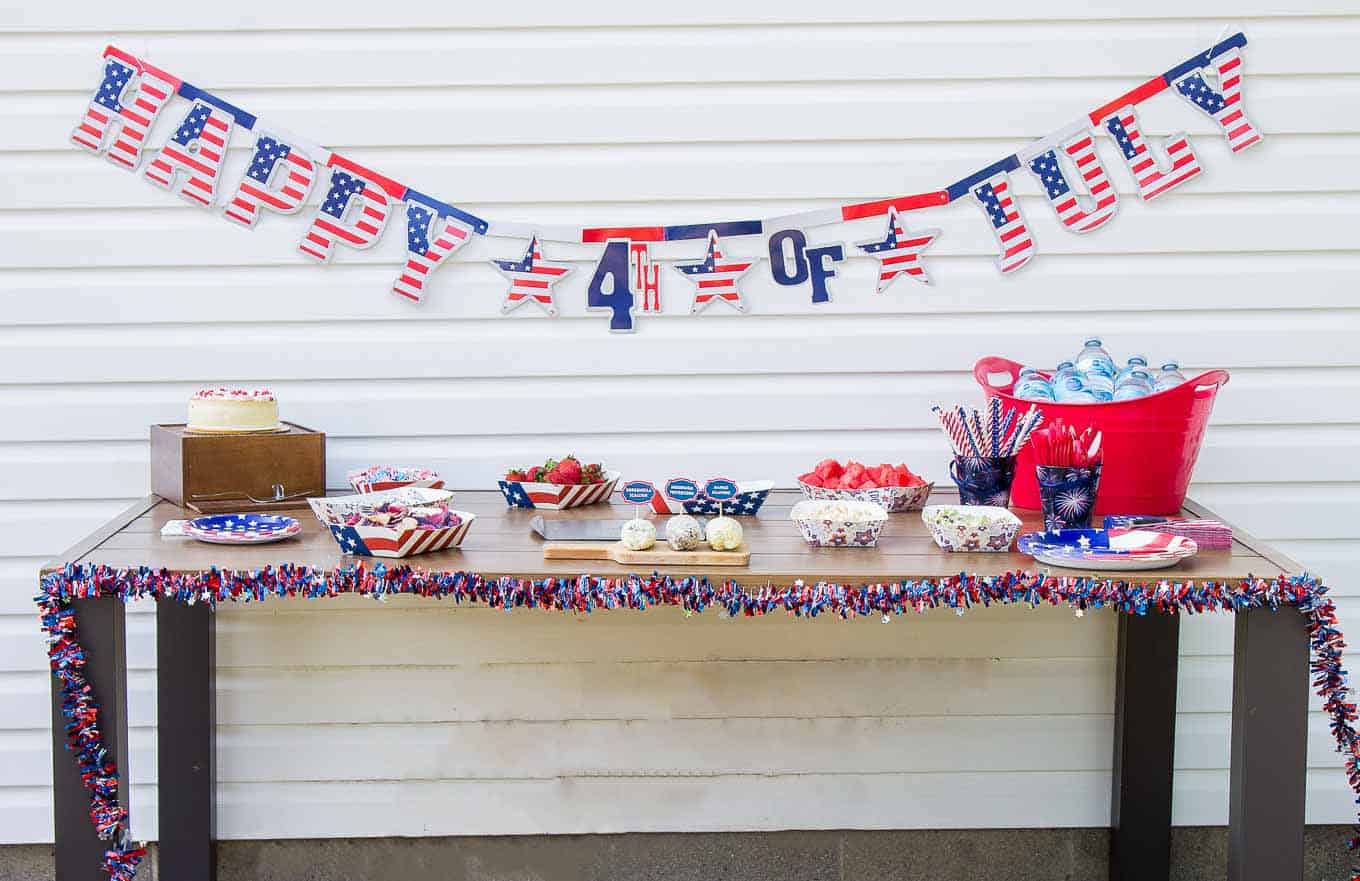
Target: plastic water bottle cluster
[[1093, 378]]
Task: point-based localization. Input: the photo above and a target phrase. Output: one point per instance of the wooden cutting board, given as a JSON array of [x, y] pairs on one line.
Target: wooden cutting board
[[660, 555]]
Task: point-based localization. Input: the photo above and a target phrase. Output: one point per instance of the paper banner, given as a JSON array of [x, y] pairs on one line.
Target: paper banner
[[1078, 213], [194, 154], [1154, 175], [431, 237], [353, 213], [991, 190]]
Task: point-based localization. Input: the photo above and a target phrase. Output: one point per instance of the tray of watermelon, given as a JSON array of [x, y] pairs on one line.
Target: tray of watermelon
[[895, 487], [558, 484]]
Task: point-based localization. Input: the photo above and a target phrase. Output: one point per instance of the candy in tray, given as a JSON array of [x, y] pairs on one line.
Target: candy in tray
[[393, 523], [382, 477]]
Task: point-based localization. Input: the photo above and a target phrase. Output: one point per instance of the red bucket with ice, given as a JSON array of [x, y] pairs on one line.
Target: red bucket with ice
[[1150, 443]]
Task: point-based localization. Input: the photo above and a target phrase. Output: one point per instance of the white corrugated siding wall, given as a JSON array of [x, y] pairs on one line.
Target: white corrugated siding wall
[[347, 718]]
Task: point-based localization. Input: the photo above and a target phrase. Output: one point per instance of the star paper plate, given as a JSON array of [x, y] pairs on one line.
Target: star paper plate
[[242, 529], [1113, 550]]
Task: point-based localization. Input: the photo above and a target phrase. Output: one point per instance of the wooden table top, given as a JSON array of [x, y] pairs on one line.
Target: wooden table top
[[501, 542]]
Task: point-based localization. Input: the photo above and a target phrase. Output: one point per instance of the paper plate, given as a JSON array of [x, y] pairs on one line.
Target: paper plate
[[1114, 550], [242, 529]]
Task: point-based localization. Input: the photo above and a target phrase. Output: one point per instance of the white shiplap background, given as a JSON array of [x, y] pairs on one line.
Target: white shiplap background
[[346, 718]]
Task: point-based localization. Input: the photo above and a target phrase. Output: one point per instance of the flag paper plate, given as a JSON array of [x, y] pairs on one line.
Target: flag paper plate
[[751, 494], [242, 529], [371, 540], [554, 496], [1113, 550]]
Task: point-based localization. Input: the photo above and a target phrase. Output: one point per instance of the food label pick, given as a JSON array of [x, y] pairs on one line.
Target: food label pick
[[682, 489]]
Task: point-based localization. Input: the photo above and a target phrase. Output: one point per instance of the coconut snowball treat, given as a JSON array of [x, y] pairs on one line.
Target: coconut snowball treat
[[638, 534], [233, 410], [724, 534], [683, 533]]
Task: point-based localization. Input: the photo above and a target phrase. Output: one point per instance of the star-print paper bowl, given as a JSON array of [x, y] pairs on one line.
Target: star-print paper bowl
[[372, 540], [894, 499], [839, 523], [971, 527], [556, 497], [242, 529], [383, 477]]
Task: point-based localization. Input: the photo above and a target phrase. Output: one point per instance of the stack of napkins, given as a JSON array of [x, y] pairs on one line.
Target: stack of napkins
[[1210, 535]]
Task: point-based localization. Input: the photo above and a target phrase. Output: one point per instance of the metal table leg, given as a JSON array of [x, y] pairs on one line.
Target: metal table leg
[[1144, 747], [101, 625], [186, 696], [1269, 746]]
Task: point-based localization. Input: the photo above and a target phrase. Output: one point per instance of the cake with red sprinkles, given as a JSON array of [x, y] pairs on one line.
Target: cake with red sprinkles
[[233, 410]]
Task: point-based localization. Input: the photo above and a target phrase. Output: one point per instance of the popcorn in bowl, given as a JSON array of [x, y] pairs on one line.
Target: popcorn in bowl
[[839, 523], [971, 527]]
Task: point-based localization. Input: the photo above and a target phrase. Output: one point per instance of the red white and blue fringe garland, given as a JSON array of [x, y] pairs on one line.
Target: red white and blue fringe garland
[[586, 593]]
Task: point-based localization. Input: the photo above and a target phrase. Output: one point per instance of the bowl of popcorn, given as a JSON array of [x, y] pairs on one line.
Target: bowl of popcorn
[[839, 523], [393, 523], [383, 477], [971, 527]]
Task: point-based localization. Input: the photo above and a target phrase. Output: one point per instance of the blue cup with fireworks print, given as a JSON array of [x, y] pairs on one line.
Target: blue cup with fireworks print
[[1067, 495], [983, 480]]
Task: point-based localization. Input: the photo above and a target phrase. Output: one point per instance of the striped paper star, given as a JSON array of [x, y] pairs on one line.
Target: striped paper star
[[715, 278], [899, 252], [531, 279]]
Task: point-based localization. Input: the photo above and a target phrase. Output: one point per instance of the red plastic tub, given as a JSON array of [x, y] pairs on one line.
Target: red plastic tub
[[1150, 443]]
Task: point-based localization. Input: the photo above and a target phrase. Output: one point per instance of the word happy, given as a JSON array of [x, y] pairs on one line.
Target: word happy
[[357, 203]]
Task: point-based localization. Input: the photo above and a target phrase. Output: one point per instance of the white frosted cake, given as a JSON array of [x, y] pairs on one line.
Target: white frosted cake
[[228, 410]]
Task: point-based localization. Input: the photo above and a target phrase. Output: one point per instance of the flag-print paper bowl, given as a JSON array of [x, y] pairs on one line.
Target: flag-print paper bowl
[[384, 541], [839, 524], [895, 499], [751, 494], [555, 497], [971, 528], [384, 477]]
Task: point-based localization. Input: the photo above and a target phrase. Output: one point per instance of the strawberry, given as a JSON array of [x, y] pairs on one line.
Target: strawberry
[[568, 472], [516, 475], [537, 474], [592, 473]]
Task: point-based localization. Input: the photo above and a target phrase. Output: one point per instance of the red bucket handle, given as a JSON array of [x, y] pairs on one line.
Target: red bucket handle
[[986, 368]]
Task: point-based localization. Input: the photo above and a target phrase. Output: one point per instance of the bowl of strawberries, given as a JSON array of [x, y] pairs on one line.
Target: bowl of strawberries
[[895, 487], [558, 484]]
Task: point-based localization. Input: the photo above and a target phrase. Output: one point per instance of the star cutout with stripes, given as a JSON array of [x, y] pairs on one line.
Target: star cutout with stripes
[[899, 252], [715, 278]]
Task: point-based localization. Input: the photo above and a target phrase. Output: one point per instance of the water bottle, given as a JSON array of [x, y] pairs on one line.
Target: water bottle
[[1063, 370], [1099, 385], [1072, 390], [1170, 376], [1031, 386], [1136, 362], [1094, 359], [1138, 384]]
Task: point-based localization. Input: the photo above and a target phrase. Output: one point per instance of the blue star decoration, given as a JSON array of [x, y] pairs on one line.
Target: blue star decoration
[[899, 252], [531, 279]]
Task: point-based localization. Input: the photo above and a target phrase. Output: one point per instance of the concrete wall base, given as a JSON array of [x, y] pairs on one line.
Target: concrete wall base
[[1198, 854]]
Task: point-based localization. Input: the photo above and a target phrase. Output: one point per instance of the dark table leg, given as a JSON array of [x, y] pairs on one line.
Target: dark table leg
[[1144, 747], [1269, 747], [186, 697], [101, 630]]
